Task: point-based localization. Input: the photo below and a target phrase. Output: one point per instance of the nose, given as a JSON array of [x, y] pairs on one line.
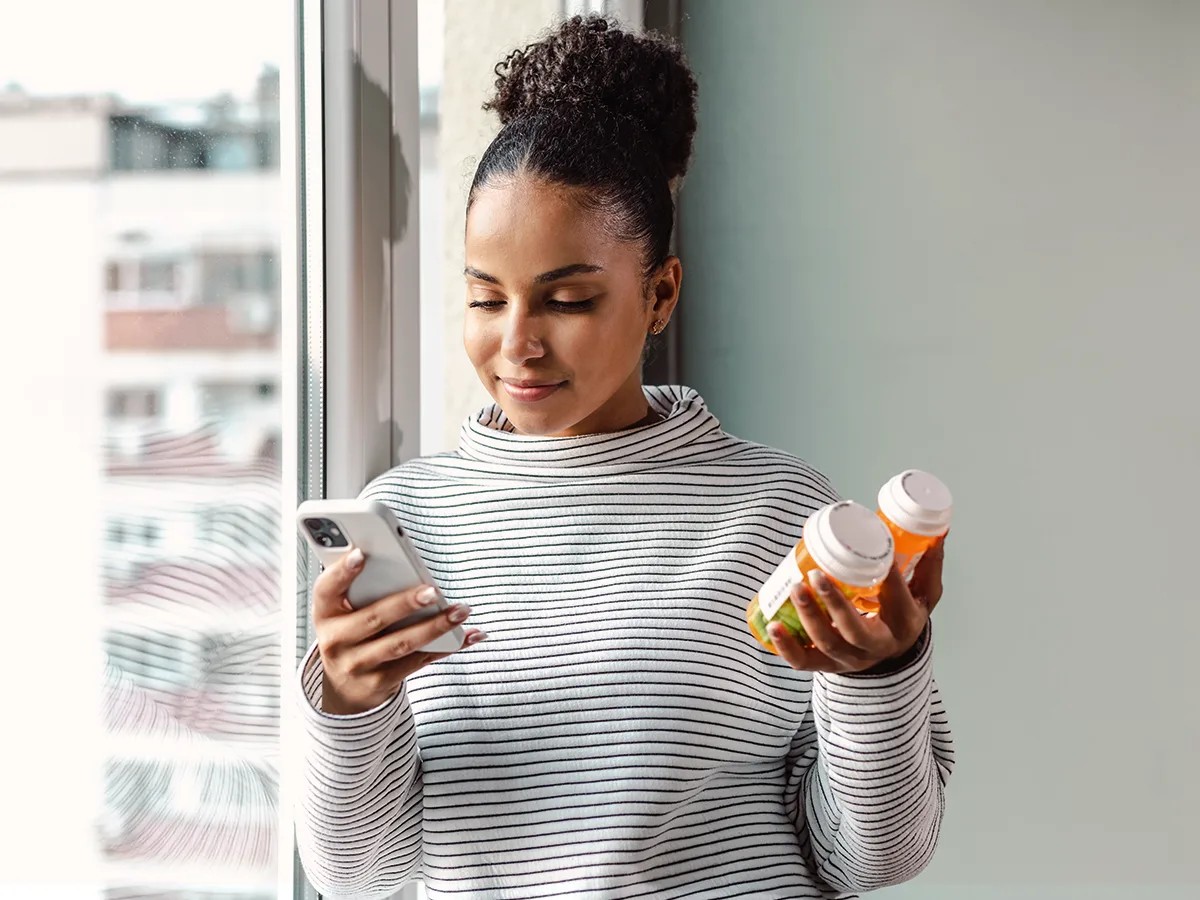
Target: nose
[[522, 338]]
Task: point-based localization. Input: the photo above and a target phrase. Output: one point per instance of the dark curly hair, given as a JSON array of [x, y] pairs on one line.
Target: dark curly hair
[[594, 107]]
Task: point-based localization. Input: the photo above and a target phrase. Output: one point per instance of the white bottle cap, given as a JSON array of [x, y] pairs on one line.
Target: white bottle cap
[[849, 543], [917, 502]]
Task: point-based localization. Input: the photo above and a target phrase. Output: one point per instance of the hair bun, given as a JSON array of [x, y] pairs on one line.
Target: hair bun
[[591, 61]]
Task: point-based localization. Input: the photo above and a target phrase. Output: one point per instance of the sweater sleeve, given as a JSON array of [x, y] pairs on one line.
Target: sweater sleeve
[[358, 797], [868, 770]]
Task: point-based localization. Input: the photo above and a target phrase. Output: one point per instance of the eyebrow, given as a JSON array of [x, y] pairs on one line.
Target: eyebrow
[[544, 278]]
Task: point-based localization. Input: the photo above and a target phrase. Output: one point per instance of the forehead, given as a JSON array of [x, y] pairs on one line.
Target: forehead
[[519, 222]]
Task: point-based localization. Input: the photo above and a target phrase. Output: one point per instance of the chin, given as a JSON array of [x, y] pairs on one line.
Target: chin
[[553, 415], [537, 423]]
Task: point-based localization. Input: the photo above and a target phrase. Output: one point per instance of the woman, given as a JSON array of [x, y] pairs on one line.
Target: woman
[[620, 734]]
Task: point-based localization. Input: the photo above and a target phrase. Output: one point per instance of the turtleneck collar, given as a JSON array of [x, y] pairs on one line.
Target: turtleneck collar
[[490, 438]]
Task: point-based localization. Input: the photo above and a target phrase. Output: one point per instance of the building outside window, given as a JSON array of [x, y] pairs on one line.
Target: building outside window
[[152, 180]]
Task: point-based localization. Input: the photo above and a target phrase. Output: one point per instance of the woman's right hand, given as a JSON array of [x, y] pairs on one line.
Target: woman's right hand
[[364, 668]]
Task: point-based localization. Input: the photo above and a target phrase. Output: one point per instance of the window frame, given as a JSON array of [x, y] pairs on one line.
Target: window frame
[[349, 135]]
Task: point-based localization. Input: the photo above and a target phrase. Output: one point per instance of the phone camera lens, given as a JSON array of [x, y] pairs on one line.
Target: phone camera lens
[[325, 540], [314, 524]]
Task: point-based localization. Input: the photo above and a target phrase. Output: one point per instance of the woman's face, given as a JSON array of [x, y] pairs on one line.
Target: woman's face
[[558, 310]]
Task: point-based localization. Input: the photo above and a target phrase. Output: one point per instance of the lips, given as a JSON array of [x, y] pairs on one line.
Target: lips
[[530, 391]]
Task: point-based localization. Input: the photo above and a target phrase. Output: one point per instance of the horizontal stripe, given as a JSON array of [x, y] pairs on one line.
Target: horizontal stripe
[[620, 734]]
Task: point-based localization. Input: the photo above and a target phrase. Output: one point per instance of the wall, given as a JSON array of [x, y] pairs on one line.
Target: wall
[[149, 203], [52, 137], [964, 236]]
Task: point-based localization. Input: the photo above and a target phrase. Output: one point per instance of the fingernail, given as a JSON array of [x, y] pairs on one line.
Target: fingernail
[[817, 579], [476, 638], [355, 559], [459, 614], [427, 595]]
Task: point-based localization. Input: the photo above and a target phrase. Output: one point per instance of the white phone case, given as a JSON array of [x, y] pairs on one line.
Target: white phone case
[[393, 563]]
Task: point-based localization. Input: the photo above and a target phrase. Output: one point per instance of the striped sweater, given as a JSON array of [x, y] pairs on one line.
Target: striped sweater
[[620, 734]]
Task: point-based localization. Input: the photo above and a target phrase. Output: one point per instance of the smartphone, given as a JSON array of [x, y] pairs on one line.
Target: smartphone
[[332, 527]]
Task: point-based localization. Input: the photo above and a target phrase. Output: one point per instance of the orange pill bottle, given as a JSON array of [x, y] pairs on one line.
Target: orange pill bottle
[[847, 542], [915, 506]]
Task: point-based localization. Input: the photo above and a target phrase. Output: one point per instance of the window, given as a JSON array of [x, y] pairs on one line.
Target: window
[[158, 275], [151, 533], [268, 272], [144, 282], [233, 400], [270, 448], [233, 152], [224, 275], [167, 262], [134, 531], [149, 185], [148, 140], [133, 403], [155, 660]]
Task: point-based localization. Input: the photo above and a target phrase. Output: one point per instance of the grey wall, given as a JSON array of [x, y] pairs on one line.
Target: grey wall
[[966, 236]]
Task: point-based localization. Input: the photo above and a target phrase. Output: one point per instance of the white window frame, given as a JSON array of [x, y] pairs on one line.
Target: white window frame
[[350, 283], [372, 278]]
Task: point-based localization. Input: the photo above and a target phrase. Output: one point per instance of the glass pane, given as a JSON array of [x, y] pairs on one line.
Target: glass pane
[[140, 212]]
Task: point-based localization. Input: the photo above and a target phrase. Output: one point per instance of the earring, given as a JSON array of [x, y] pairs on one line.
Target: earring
[[658, 326]]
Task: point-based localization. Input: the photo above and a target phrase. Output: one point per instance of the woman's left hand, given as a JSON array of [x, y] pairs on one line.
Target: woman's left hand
[[846, 641]]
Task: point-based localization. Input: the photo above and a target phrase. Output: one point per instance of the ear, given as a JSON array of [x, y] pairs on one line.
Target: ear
[[664, 289]]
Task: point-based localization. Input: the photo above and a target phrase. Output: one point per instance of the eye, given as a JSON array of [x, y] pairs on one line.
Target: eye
[[570, 306], [486, 304]]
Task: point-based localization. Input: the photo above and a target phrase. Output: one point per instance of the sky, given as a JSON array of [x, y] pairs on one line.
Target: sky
[[160, 50]]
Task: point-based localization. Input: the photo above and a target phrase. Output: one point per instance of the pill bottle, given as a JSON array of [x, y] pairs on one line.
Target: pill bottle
[[915, 506], [847, 542]]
